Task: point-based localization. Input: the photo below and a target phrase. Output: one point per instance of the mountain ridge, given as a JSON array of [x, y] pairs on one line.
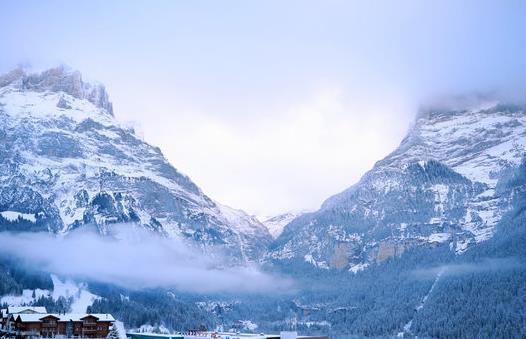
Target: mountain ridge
[[439, 185]]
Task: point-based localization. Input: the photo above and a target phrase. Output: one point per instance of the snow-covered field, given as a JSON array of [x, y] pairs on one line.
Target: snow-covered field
[[81, 297], [27, 297]]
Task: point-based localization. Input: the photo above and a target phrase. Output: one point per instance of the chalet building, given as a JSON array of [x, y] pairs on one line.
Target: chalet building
[[5, 319], [33, 324]]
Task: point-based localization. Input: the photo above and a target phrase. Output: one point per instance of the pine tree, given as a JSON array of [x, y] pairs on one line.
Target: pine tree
[[114, 333]]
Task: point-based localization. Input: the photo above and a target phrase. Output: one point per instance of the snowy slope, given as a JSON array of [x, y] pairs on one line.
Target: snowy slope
[[81, 298], [440, 186], [26, 298], [68, 162]]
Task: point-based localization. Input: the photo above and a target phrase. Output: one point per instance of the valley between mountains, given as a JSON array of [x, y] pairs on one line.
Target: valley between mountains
[[389, 255]]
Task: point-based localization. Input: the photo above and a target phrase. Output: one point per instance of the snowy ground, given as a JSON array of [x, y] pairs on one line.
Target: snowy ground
[[24, 299], [82, 298]]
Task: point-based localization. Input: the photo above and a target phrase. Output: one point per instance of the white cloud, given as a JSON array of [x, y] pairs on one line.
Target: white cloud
[[274, 117], [136, 259], [288, 158]]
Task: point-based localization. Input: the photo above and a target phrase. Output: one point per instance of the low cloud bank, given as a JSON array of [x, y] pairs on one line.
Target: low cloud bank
[[484, 265], [134, 258]]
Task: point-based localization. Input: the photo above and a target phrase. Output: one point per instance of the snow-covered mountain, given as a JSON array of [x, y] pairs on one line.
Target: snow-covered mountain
[[67, 162], [439, 186], [276, 224]]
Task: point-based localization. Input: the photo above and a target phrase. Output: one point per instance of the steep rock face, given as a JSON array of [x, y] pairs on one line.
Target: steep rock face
[[66, 160], [439, 186]]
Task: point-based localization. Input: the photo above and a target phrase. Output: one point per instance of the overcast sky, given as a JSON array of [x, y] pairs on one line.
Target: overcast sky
[[272, 106]]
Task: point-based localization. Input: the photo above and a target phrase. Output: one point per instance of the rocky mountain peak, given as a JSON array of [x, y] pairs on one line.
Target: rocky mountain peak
[[59, 79], [68, 163]]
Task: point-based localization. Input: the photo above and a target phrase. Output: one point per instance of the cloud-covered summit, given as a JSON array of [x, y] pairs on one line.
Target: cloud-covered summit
[[59, 79]]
